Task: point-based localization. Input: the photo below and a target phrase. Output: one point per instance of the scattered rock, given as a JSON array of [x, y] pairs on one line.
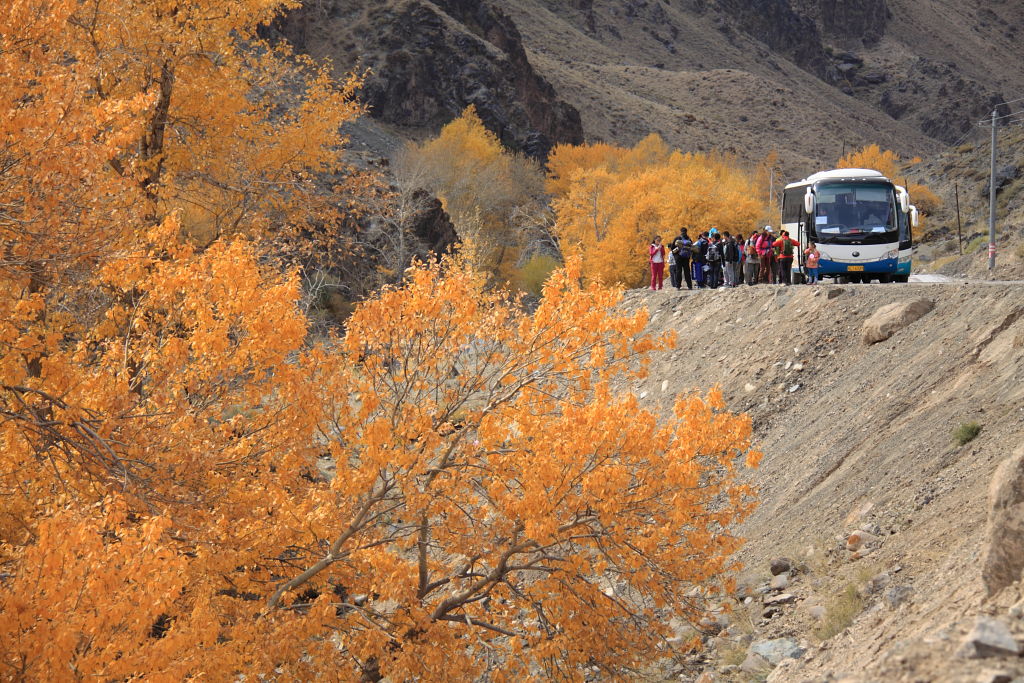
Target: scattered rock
[[817, 612], [833, 293], [664, 386], [783, 599], [995, 677], [755, 663], [879, 582], [780, 581], [888, 320], [774, 651], [749, 388], [799, 367], [898, 595], [780, 565], [706, 677], [860, 539], [989, 638], [794, 388], [771, 612], [1003, 556]]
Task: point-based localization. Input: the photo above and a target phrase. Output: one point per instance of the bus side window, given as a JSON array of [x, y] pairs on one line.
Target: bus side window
[[905, 236]]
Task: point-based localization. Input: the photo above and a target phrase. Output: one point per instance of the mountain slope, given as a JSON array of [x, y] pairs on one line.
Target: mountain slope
[[809, 78], [859, 436]]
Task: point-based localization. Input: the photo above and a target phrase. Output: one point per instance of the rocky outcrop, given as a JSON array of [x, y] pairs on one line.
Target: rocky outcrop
[[777, 24], [1003, 563], [854, 23], [937, 97], [429, 61]]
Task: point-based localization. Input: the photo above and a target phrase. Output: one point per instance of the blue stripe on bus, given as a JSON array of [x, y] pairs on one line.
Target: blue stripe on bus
[[891, 265]]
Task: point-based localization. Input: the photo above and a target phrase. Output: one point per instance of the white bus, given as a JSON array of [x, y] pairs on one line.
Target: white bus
[[861, 221]]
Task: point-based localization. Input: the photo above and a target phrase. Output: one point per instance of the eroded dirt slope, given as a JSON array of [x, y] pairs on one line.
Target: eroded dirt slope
[[859, 436]]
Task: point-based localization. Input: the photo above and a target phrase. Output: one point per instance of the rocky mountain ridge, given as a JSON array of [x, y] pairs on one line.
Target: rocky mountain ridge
[[427, 61], [805, 77]]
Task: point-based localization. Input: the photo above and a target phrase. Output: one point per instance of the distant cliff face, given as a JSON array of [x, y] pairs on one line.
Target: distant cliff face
[[430, 60], [854, 23]]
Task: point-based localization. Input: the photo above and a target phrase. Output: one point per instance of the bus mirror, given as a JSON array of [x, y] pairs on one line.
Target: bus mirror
[[915, 217], [809, 202], [904, 200]]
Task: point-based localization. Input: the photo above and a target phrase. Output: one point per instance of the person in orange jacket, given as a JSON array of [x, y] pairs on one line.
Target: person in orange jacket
[[785, 248]]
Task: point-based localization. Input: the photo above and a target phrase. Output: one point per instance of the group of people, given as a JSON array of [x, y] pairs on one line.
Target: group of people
[[718, 259]]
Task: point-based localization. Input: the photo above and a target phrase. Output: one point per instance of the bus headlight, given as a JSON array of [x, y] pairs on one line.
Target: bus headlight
[[892, 254]]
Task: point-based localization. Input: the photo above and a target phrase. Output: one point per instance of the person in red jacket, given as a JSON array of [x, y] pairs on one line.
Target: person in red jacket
[[785, 248], [657, 263], [764, 254]]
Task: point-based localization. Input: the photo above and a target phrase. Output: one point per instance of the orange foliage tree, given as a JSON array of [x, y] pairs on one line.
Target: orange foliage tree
[[192, 485], [491, 194], [609, 202], [890, 165]]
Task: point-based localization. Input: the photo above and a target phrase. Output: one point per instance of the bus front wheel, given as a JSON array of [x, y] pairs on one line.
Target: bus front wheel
[[901, 278]]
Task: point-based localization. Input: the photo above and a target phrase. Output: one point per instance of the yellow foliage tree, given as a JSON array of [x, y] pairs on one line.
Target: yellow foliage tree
[[195, 487], [891, 166], [483, 187], [616, 200]]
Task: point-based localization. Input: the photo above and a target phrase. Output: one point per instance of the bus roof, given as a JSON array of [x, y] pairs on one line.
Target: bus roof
[[840, 174]]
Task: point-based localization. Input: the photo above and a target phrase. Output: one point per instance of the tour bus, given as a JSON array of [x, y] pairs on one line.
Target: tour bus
[[861, 221]]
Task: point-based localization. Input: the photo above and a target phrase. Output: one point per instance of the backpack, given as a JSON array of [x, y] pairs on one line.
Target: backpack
[[732, 252], [714, 253], [751, 247], [787, 248], [702, 249], [682, 249]]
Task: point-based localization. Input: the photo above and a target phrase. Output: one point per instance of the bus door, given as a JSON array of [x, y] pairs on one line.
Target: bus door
[[793, 214]]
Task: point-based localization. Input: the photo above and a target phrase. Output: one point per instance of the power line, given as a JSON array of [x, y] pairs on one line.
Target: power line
[[965, 136], [988, 119], [1019, 99]]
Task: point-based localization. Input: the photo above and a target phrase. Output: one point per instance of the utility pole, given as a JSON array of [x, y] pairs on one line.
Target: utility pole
[[992, 200], [959, 225]]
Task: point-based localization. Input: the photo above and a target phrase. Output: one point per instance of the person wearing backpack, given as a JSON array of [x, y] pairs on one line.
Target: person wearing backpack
[[752, 265], [700, 250], [766, 256], [730, 260], [785, 247], [714, 259], [683, 248]]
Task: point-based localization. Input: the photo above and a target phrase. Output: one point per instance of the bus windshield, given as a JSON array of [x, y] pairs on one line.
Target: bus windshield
[[855, 213]]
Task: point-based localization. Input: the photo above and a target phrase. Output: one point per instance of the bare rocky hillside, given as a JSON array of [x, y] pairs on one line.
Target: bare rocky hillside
[[806, 77], [965, 169], [858, 437]]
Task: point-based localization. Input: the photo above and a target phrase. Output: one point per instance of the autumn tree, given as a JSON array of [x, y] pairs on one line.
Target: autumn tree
[[495, 197], [610, 202], [195, 486]]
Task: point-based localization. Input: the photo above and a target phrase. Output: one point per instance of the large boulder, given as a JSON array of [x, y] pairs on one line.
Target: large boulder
[[1003, 562], [888, 320], [774, 651]]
